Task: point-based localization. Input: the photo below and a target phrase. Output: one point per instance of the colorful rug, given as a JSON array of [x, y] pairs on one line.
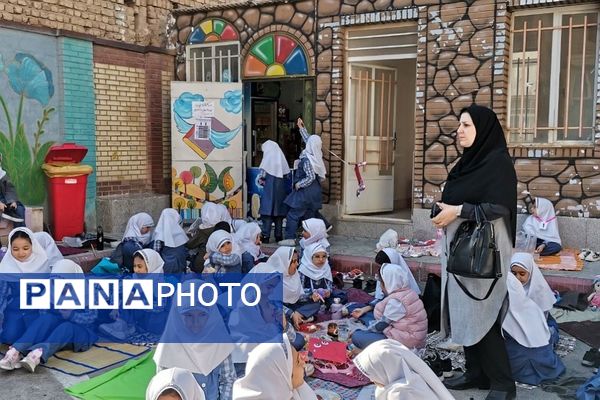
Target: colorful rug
[[345, 392], [97, 358], [566, 260], [128, 382]]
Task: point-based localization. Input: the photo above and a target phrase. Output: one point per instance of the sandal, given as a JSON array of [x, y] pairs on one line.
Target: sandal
[[592, 256]]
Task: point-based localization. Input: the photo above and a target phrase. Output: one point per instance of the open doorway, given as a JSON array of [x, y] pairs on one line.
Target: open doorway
[[380, 120]]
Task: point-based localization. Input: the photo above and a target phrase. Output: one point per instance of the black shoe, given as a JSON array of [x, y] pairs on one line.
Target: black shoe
[[11, 215], [264, 239], [465, 382], [591, 358], [499, 395]]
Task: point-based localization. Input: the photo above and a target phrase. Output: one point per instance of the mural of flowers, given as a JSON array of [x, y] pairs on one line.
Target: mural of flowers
[[30, 80], [209, 181]]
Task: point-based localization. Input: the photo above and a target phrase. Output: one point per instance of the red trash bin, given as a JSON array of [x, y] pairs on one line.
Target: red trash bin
[[67, 183]]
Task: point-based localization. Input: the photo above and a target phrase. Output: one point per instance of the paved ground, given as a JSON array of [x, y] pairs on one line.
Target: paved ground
[[46, 384]]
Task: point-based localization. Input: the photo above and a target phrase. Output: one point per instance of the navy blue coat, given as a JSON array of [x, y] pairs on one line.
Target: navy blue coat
[[273, 197], [308, 198]]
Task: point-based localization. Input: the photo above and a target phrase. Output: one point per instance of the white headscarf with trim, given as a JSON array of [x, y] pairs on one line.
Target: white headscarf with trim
[[280, 262], [318, 232], [135, 225], [245, 238], [537, 289], [224, 214], [525, 320], [210, 215], [309, 269], [218, 239], [274, 162], [314, 153], [402, 373], [168, 229], [36, 263], [153, 260], [398, 260], [178, 379], [49, 245], [198, 357], [66, 266], [544, 225], [395, 277]]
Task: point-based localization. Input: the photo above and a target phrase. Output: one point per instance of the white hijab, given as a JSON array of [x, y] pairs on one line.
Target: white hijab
[[245, 238], [544, 225], [314, 153], [168, 229], [389, 239], [65, 266], [402, 373], [269, 375], [318, 232], [36, 263], [309, 269], [395, 277], [178, 379], [237, 224], [49, 245], [537, 289], [135, 225], [525, 320], [218, 239], [398, 260], [153, 260], [224, 213], [274, 162], [280, 262], [198, 357], [210, 215]]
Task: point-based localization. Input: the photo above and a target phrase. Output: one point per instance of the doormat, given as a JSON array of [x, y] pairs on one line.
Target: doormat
[[586, 331], [566, 260]]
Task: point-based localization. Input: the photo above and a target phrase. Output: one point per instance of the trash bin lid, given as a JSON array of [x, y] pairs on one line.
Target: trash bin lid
[[67, 153]]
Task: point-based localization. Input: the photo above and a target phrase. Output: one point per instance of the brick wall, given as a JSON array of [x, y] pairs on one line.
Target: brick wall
[[77, 107], [143, 22]]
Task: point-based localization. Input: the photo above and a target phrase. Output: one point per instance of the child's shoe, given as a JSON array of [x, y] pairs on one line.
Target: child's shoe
[[11, 215], [32, 360], [118, 329], [11, 360]]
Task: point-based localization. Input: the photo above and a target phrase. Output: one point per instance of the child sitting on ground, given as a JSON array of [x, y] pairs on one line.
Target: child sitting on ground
[[400, 315], [136, 237], [219, 256], [53, 331], [10, 208], [314, 231], [169, 241], [542, 224], [248, 239]]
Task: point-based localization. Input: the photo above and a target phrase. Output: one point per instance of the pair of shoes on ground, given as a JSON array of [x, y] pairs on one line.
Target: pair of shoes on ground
[[591, 358], [465, 382], [12, 360], [11, 215], [589, 255]]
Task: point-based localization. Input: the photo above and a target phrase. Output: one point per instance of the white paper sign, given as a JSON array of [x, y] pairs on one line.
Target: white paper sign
[[203, 109]]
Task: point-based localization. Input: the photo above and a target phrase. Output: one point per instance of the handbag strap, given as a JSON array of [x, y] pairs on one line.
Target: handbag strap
[[466, 291]]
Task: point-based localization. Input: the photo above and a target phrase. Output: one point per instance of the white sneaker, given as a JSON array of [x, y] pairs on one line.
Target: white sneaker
[[11, 360], [118, 329], [32, 360], [287, 242]]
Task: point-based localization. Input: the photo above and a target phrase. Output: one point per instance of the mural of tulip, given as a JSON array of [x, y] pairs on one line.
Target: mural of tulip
[[30, 80]]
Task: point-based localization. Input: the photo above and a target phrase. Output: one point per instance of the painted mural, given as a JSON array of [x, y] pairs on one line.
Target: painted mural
[[207, 147], [28, 119]]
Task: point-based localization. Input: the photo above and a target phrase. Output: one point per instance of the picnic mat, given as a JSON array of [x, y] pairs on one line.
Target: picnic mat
[[344, 392], [586, 331], [69, 251], [98, 357], [128, 382], [566, 260]]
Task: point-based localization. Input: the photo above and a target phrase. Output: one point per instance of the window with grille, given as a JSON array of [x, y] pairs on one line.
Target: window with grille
[[553, 76], [215, 62]]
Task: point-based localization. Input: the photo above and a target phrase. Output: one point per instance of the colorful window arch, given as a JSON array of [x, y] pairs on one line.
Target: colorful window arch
[[213, 30], [275, 54]]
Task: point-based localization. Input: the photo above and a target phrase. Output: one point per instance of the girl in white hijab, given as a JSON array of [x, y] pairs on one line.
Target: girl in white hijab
[[543, 225], [169, 241], [391, 256], [210, 214], [174, 381], [275, 371], [137, 236], [224, 214], [248, 242], [528, 273], [222, 255], [47, 242], [25, 255], [314, 231], [188, 343], [530, 352], [65, 266], [399, 374], [389, 240], [280, 261]]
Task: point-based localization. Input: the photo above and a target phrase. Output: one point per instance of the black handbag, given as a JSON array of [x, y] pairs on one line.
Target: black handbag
[[473, 252]]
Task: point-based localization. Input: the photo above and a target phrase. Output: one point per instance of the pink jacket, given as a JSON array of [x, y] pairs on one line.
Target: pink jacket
[[411, 330]]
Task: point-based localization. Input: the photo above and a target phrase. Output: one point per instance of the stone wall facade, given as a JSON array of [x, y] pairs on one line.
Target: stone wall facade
[[463, 53]]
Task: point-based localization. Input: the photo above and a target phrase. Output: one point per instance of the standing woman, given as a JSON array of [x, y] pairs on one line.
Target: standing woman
[[274, 170], [483, 176]]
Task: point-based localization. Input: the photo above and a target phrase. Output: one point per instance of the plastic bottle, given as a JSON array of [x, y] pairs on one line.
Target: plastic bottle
[[336, 309], [100, 238]]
